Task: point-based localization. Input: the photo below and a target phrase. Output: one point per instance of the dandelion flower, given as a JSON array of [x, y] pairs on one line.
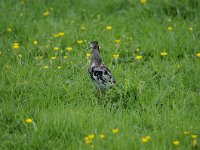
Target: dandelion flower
[[69, 49], [186, 132], [163, 54], [143, 1], [190, 29], [109, 27], [56, 48], [16, 45], [139, 57], [176, 142], [91, 136], [88, 55], [53, 57], [198, 54], [46, 67], [65, 57], [87, 140], [115, 131], [80, 42], [59, 67], [61, 34], [9, 29], [169, 28], [148, 137], [117, 41], [29, 120], [35, 42], [101, 136], [46, 13], [194, 136], [116, 56], [144, 140]]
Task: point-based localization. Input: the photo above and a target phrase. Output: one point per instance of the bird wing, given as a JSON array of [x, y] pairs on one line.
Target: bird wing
[[101, 74]]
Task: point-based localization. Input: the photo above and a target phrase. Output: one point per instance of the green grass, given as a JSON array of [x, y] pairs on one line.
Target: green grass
[[156, 96]]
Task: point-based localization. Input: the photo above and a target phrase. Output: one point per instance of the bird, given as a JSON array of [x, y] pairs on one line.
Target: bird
[[98, 72]]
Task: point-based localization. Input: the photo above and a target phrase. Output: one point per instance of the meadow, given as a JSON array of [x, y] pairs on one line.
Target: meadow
[[48, 101]]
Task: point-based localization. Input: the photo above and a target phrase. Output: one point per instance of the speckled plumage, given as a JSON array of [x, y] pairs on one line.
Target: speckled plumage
[[99, 73]]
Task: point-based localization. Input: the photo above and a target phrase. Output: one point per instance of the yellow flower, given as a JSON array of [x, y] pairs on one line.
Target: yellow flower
[[46, 13], [117, 41], [198, 54], [194, 143], [69, 49], [186, 132], [80, 42], [88, 139], [163, 54], [101, 136], [65, 57], [176, 142], [59, 67], [109, 27], [35, 42], [116, 56], [194, 136], [169, 20], [29, 120], [143, 1], [139, 57], [91, 136], [46, 67], [53, 57], [9, 29], [88, 55], [15, 45], [61, 34], [56, 48], [20, 56], [148, 137], [169, 28], [144, 140], [115, 131], [190, 29]]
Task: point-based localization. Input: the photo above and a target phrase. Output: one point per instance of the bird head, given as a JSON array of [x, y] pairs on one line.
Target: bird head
[[94, 45]]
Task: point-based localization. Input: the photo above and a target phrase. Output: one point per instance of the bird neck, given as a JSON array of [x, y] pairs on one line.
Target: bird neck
[[96, 58]]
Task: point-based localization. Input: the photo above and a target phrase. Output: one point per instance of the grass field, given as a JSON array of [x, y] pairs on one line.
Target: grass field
[[47, 100]]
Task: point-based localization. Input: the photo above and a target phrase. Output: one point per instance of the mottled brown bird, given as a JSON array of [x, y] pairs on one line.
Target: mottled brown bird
[[99, 73]]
